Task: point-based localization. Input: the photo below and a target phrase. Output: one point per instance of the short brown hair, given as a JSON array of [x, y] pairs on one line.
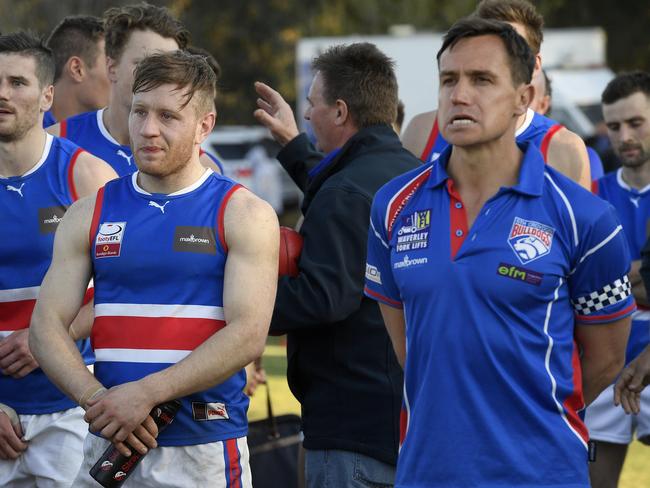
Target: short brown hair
[[187, 71], [119, 22], [520, 56], [519, 11], [76, 35], [363, 77]]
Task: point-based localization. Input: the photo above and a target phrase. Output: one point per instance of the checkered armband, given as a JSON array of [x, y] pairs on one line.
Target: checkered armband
[[608, 295]]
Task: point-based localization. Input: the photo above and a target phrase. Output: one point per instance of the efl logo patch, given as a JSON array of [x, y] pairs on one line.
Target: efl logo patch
[[413, 234], [49, 218], [530, 240], [209, 411], [109, 239], [188, 238]]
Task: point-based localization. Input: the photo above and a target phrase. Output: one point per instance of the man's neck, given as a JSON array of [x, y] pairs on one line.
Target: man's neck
[[638, 177], [482, 170], [116, 121], [65, 104], [18, 157], [183, 178]]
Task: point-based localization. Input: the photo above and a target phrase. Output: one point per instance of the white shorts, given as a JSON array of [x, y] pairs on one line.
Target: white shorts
[[54, 452], [608, 423], [197, 466]]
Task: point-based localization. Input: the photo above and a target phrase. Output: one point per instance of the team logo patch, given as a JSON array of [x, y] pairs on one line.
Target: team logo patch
[[49, 218], [413, 234], [188, 238], [530, 240], [209, 411], [520, 274], [109, 239]]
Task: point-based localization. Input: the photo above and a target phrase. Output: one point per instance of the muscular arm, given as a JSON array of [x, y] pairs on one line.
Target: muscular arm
[[416, 134], [567, 153], [90, 174], [396, 327], [59, 300], [603, 354]]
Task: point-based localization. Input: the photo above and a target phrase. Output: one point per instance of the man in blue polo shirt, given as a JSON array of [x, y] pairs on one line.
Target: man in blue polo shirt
[[502, 283]]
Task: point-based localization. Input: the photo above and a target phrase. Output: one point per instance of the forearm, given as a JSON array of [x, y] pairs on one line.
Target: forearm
[[598, 375], [82, 325], [210, 364], [58, 356]]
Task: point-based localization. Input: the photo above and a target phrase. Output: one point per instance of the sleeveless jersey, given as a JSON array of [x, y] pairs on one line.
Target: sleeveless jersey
[[536, 129], [158, 273], [88, 131], [633, 209], [31, 206]]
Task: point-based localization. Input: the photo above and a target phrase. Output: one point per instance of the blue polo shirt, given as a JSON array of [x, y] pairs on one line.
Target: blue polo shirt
[[492, 374]]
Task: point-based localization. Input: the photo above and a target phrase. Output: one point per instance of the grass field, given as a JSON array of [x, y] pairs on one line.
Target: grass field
[[636, 472]]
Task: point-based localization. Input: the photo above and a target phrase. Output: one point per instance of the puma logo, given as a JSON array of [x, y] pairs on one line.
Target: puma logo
[[17, 190], [125, 156], [158, 206], [635, 201]]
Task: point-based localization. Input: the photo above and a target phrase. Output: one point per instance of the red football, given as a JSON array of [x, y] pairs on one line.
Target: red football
[[290, 248]]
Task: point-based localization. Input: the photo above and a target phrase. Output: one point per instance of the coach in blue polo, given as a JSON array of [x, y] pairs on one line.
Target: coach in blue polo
[[503, 286]]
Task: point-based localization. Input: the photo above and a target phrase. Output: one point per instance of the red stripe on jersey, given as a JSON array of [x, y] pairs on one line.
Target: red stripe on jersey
[[546, 141], [110, 332], [400, 200], [234, 467], [90, 294], [222, 211], [71, 185], [433, 135], [575, 402], [610, 317], [63, 128], [457, 219], [382, 298], [16, 315], [94, 224], [594, 187], [403, 425]]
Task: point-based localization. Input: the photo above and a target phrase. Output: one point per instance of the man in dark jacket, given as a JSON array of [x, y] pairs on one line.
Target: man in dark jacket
[[341, 366]]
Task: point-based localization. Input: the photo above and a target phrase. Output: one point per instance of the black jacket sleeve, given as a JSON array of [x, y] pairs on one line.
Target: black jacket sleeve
[[645, 266], [298, 157], [329, 287]]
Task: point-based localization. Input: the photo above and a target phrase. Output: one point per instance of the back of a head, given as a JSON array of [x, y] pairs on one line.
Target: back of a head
[[364, 78], [25, 43], [626, 84], [214, 64], [76, 35], [520, 11], [190, 73], [520, 56], [119, 22]]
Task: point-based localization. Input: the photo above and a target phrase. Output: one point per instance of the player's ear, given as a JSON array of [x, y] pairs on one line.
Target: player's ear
[[75, 68], [342, 113], [525, 94], [47, 96], [111, 68]]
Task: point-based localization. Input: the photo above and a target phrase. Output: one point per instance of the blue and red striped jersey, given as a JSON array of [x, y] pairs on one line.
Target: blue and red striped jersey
[[159, 265], [31, 207]]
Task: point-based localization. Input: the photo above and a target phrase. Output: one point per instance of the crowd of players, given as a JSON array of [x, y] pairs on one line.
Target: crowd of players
[[500, 303]]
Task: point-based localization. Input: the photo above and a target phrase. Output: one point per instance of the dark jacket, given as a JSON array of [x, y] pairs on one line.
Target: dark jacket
[[341, 363]]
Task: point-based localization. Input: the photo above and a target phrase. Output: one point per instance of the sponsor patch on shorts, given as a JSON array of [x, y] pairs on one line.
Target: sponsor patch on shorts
[[520, 274], [108, 242], [209, 411]]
